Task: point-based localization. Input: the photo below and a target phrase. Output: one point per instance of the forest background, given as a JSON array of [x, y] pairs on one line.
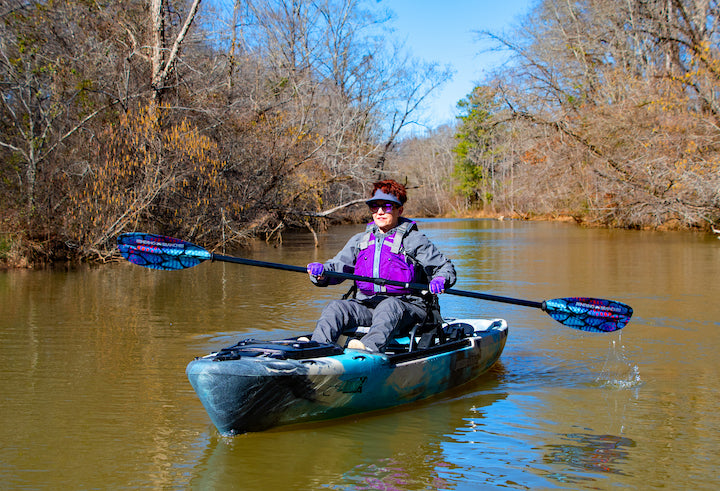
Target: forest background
[[221, 121]]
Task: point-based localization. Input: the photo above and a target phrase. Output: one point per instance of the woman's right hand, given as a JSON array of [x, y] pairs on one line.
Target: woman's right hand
[[315, 269]]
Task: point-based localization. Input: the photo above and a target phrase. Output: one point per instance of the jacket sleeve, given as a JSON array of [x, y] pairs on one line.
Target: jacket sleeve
[[433, 262], [343, 262]]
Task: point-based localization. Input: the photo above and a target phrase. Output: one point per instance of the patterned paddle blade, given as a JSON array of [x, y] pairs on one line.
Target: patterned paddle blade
[[160, 252], [589, 314]]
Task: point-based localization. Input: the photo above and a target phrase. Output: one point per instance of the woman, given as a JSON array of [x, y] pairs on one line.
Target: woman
[[391, 248]]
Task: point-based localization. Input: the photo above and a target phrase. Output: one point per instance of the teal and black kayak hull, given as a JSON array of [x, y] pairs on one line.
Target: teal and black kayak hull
[[256, 385]]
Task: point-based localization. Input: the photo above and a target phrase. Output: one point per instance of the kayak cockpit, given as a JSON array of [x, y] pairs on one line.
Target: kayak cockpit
[[422, 340]]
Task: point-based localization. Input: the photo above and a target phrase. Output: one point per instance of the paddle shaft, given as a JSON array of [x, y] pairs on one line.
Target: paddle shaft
[[378, 281]]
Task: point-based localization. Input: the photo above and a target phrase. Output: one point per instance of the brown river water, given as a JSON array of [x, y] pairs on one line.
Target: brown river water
[[94, 393]]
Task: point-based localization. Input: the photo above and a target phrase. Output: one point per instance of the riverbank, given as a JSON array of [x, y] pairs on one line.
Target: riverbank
[[11, 255], [668, 226], [481, 214]]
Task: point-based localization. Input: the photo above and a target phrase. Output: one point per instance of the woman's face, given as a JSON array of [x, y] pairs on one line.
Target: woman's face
[[386, 215]]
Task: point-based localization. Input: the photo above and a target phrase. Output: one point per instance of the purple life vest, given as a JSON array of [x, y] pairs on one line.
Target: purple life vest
[[387, 260]]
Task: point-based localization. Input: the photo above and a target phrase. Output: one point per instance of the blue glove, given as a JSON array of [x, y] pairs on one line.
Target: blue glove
[[437, 285], [315, 269]]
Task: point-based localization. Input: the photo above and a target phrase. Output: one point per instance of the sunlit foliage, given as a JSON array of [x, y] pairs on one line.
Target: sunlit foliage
[[146, 176]]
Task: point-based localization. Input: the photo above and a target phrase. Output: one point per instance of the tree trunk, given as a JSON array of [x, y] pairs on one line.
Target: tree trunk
[[157, 18]]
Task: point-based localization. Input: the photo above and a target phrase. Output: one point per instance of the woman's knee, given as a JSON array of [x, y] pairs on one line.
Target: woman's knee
[[391, 306], [391, 303], [335, 307]]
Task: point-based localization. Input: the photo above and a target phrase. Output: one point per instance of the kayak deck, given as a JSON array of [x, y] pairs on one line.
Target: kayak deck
[[255, 385]]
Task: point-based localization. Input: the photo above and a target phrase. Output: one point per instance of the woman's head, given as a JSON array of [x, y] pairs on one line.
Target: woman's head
[[387, 203]]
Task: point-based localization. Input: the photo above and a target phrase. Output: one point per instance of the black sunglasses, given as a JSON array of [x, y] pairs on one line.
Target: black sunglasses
[[387, 207]]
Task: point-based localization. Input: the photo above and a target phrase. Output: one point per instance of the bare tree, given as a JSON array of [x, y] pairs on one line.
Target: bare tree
[[47, 94], [339, 90], [163, 55], [427, 164], [602, 89]]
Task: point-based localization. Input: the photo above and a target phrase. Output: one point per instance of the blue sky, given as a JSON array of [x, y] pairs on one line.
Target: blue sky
[[442, 31]]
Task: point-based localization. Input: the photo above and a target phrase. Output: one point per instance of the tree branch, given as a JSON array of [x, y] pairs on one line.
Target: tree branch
[[326, 213], [162, 76]]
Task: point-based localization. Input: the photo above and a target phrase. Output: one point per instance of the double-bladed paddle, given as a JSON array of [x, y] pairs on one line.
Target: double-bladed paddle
[[167, 253]]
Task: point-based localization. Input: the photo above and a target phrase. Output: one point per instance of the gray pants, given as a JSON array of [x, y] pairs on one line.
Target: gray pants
[[386, 316]]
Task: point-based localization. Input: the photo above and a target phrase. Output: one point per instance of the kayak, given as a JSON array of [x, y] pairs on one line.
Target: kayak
[[255, 385]]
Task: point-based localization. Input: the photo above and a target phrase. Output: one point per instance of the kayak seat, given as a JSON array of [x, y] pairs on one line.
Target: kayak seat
[[425, 335]]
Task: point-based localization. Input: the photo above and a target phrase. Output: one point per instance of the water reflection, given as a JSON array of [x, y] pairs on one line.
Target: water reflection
[[395, 449], [586, 452]]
